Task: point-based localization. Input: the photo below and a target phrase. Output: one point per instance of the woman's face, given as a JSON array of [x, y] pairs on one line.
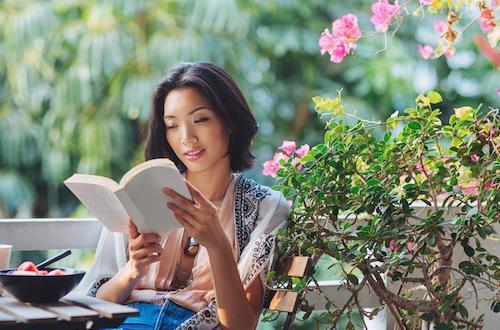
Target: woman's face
[[193, 130]]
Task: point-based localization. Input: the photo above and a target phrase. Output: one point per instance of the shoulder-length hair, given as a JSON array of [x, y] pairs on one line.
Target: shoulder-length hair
[[227, 101]]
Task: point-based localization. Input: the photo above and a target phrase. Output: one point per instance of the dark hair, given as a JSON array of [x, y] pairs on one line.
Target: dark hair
[[228, 103]]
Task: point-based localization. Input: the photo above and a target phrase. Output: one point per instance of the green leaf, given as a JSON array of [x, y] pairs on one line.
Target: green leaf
[[373, 182], [427, 317], [468, 267], [434, 97], [353, 279], [468, 250], [269, 276], [414, 125], [463, 311], [443, 326]]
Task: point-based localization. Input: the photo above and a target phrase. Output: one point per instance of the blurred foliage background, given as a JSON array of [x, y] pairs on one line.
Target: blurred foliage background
[[76, 78]]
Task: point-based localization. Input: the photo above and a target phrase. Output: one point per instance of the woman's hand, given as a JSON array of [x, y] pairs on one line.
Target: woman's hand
[[143, 249], [200, 220]]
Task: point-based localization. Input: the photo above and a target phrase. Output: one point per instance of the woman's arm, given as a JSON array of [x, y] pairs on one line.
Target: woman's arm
[[238, 309], [143, 250]]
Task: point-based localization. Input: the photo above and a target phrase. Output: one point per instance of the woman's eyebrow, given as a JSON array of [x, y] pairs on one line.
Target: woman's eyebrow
[[190, 112]]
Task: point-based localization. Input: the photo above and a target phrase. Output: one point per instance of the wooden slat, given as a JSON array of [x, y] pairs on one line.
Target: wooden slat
[[105, 308], [295, 266], [6, 319], [284, 301], [70, 312], [24, 312]]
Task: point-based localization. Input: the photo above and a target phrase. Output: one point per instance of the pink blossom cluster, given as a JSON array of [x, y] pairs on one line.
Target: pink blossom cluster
[[426, 51], [383, 13], [342, 40], [289, 149], [487, 20]]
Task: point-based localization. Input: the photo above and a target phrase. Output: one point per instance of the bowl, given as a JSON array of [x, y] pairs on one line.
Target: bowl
[[40, 288]]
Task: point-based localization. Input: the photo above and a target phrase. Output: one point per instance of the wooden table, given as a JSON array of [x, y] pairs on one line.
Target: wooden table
[[73, 311]]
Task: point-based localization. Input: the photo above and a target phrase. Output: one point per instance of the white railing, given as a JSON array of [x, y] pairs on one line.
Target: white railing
[[50, 233]]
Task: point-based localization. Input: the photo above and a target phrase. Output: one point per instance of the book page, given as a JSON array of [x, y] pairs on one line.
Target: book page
[[101, 202], [143, 166], [145, 190]]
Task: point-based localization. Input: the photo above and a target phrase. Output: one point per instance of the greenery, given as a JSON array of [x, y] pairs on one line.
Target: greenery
[[76, 79], [356, 198]]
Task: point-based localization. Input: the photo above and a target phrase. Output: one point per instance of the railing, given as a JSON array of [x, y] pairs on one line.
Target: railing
[[50, 233]]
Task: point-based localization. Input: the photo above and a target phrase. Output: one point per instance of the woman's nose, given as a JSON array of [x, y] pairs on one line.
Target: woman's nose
[[188, 136]]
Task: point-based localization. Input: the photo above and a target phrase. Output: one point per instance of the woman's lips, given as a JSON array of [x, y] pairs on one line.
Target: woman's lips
[[194, 155]]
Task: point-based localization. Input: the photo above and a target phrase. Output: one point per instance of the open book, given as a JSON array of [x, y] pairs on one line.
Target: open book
[[138, 196]]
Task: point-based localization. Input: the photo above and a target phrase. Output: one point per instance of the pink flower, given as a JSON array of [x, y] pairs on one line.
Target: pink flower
[[410, 246], [290, 203], [279, 156], [347, 30], [382, 14], [392, 246], [498, 91], [288, 147], [487, 20], [330, 45], [345, 33], [439, 26], [426, 2], [270, 168], [425, 51], [448, 51], [303, 150], [474, 158], [487, 185]]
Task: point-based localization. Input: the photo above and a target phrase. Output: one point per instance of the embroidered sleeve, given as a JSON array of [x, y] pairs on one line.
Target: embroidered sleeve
[[92, 291], [248, 195], [261, 253]]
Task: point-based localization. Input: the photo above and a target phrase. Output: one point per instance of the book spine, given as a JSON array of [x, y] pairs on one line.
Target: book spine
[[132, 210]]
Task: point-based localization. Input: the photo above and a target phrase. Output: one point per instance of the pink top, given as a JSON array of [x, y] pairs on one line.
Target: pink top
[[200, 291]]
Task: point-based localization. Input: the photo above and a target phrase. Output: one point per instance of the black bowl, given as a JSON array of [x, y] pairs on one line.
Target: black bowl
[[40, 288]]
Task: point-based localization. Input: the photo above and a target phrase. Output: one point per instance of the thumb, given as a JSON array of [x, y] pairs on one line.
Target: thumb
[[132, 229]]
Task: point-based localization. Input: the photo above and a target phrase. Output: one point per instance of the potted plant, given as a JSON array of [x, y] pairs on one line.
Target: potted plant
[[358, 198]]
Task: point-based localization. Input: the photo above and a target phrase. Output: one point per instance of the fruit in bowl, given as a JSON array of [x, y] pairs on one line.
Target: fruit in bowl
[[29, 268], [29, 284]]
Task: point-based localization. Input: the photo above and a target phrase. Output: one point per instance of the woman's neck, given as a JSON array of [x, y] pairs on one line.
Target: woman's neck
[[211, 183]]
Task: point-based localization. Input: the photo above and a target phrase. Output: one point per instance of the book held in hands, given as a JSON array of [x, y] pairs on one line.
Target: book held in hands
[[138, 196]]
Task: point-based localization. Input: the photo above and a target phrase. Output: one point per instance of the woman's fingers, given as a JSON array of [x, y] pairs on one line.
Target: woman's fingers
[[132, 229], [182, 213], [179, 199], [188, 227], [148, 260], [153, 249]]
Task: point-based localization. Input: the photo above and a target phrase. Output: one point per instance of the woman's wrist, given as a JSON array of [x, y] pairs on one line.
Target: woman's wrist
[[219, 247], [132, 273]]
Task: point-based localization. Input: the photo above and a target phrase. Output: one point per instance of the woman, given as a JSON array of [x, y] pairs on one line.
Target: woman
[[210, 272]]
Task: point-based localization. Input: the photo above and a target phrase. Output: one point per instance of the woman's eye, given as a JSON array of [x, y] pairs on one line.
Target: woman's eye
[[201, 120], [170, 126]]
